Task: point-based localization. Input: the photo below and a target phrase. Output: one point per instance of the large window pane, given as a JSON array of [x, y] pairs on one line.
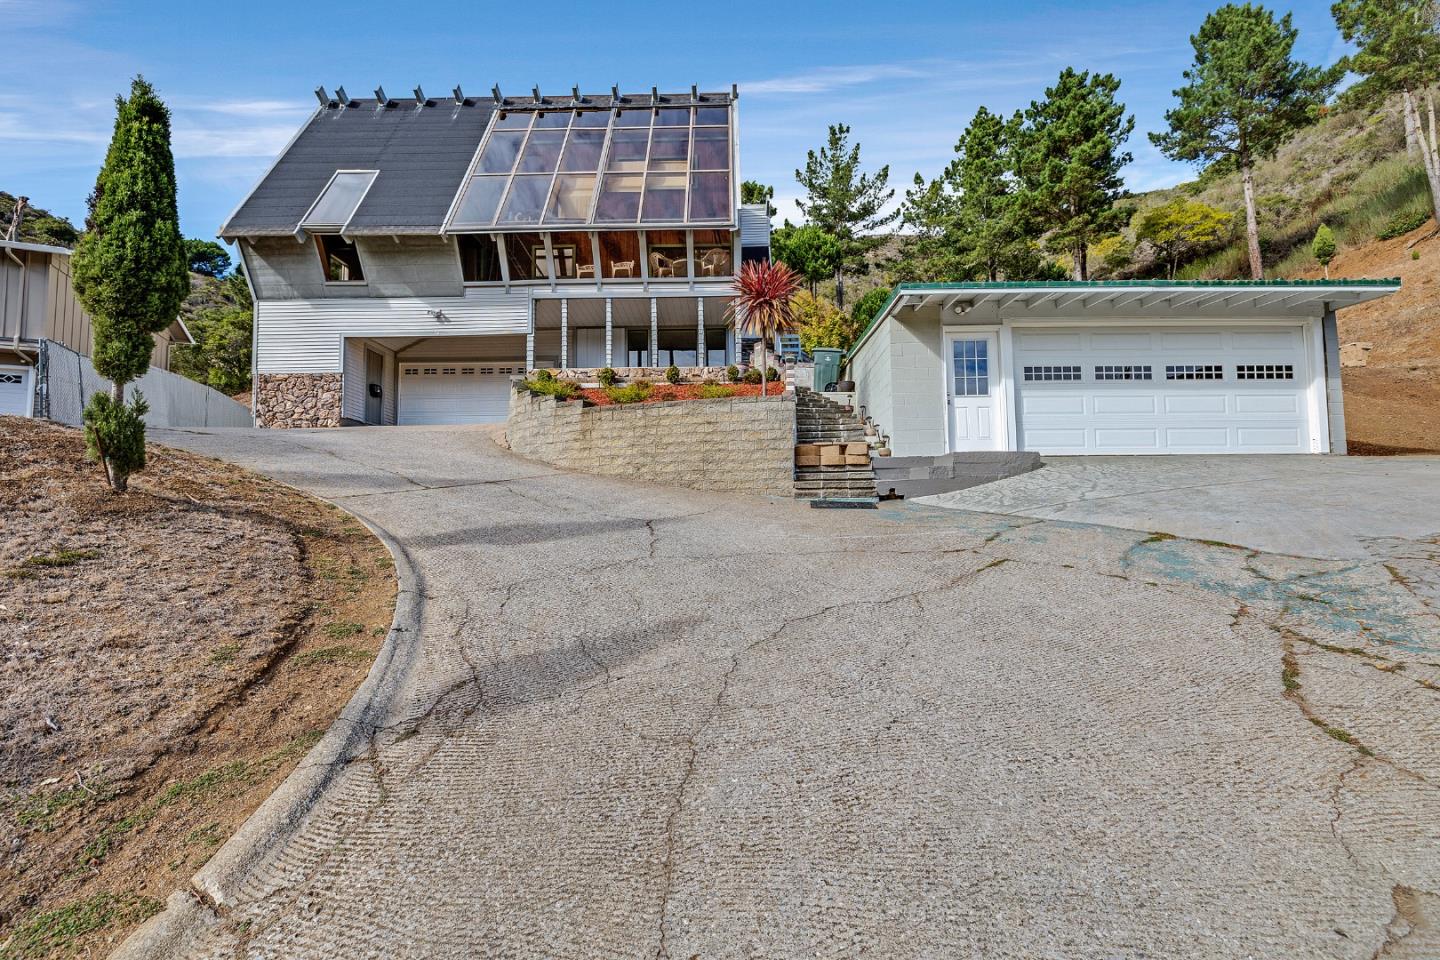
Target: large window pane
[[669, 148], [620, 256], [573, 259], [582, 153], [714, 253], [592, 118], [667, 253], [558, 120], [634, 118], [542, 152], [482, 196], [526, 200], [570, 201], [512, 121], [500, 152], [712, 149], [619, 198], [705, 116], [339, 259], [525, 255], [664, 198], [627, 150], [673, 117], [479, 259], [339, 199], [709, 196]]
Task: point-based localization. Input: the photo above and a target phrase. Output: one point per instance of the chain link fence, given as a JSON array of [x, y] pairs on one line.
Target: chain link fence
[[65, 381]]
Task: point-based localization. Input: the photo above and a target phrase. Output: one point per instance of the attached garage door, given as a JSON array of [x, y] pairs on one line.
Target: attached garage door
[[1162, 390], [455, 392], [15, 391]]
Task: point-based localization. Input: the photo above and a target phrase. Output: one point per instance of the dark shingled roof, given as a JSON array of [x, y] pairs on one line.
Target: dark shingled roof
[[422, 155]]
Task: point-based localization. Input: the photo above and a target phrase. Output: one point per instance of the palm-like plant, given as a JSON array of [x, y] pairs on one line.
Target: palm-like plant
[[761, 305]]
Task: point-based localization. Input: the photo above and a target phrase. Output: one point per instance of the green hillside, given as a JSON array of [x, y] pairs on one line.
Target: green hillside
[[37, 225]]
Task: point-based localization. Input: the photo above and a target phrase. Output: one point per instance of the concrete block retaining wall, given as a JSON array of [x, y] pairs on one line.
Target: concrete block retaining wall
[[742, 444]]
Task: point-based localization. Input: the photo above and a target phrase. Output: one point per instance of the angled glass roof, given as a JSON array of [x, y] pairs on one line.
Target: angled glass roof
[[642, 166], [336, 204]]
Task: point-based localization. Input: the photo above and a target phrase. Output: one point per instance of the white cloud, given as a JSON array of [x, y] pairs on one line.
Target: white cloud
[[825, 79]]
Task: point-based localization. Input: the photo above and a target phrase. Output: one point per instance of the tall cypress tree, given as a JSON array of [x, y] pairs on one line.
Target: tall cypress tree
[[1070, 160], [129, 272], [1245, 97]]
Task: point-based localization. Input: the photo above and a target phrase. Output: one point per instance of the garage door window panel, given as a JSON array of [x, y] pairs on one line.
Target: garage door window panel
[[1265, 371], [1194, 371], [1051, 374], [1122, 372]]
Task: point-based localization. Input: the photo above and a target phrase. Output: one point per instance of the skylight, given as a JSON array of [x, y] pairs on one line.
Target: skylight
[[643, 165], [336, 204]]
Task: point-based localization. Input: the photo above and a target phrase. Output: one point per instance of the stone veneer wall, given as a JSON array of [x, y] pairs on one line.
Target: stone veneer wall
[[744, 444], [297, 400]]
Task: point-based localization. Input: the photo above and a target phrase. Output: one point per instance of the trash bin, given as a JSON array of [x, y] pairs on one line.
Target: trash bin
[[827, 366]]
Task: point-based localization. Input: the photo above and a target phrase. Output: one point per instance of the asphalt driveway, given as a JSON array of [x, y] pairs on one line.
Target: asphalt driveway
[[645, 722]]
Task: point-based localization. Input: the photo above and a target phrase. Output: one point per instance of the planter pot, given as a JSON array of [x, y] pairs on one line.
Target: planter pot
[[845, 386]]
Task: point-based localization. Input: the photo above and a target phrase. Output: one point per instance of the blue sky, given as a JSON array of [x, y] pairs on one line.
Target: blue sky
[[905, 76]]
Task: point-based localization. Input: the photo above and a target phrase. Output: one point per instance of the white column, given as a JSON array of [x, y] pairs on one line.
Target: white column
[[609, 332], [564, 334], [700, 332], [530, 341], [654, 333]]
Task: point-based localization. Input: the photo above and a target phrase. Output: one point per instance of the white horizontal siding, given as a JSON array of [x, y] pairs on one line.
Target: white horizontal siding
[[754, 226], [352, 385], [304, 336]]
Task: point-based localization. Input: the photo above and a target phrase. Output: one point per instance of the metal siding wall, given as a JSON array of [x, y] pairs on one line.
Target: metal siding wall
[[303, 336], [754, 227]]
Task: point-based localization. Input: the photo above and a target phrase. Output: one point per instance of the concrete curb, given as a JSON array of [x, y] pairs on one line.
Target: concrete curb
[[217, 884]]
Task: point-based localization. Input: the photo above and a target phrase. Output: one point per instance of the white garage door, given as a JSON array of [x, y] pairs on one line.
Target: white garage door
[[455, 392], [1162, 390], [15, 391]]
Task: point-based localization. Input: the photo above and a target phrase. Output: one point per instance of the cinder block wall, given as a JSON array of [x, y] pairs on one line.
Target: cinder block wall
[[741, 444]]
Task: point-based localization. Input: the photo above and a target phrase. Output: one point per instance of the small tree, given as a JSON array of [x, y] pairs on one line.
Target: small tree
[[129, 272], [1245, 96], [207, 257], [809, 251], [1322, 248], [821, 324], [1176, 228], [752, 191], [762, 303], [845, 203], [867, 306]]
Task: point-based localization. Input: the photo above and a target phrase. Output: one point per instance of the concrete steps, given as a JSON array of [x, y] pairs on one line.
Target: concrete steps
[[821, 423]]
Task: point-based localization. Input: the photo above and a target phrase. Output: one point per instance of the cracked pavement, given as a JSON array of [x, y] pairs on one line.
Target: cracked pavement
[[650, 722]]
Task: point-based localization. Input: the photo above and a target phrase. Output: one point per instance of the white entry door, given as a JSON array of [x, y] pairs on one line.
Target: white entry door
[[974, 422], [15, 391]]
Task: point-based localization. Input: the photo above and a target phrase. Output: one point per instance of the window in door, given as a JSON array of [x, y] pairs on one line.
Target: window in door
[[971, 360]]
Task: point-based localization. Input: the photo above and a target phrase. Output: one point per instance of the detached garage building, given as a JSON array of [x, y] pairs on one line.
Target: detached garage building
[[1109, 367]]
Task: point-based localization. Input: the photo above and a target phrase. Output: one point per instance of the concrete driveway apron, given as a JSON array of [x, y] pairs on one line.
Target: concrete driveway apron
[[648, 722]]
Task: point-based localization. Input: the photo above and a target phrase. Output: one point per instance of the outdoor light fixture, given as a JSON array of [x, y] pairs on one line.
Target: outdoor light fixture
[[963, 306]]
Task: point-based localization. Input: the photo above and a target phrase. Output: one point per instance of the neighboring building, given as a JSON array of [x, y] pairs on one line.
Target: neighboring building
[[1120, 367], [408, 257], [37, 303]]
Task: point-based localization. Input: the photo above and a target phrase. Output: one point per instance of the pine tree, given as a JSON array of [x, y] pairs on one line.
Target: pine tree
[[808, 250], [1322, 248], [1245, 96], [1399, 52], [1070, 159], [129, 272], [845, 203]]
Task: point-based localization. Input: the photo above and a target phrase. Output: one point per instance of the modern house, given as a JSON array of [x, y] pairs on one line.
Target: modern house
[[37, 303], [408, 256], [1122, 367]]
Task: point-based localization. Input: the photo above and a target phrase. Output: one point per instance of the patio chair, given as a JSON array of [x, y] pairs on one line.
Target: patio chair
[[715, 262], [623, 266], [661, 265]]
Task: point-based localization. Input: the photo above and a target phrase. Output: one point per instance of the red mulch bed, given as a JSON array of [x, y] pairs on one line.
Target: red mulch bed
[[682, 391]]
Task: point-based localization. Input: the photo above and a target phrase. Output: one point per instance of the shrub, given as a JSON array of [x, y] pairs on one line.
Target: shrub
[[714, 391], [544, 376], [115, 435], [1414, 254], [752, 375], [606, 376], [732, 373], [709, 382], [672, 374], [540, 387], [772, 374], [631, 393], [1403, 223]]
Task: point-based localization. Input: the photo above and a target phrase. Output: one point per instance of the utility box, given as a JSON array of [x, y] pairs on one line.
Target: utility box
[[827, 366]]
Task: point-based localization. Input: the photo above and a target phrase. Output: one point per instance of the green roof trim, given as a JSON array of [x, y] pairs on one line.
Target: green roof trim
[[983, 285]]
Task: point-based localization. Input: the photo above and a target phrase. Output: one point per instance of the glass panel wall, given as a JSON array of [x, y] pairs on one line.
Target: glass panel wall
[[573, 259], [668, 255], [714, 253], [525, 255], [479, 258], [620, 256]]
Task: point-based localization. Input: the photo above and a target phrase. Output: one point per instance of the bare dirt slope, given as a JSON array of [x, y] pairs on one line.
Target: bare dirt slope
[[1392, 404], [165, 658]]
